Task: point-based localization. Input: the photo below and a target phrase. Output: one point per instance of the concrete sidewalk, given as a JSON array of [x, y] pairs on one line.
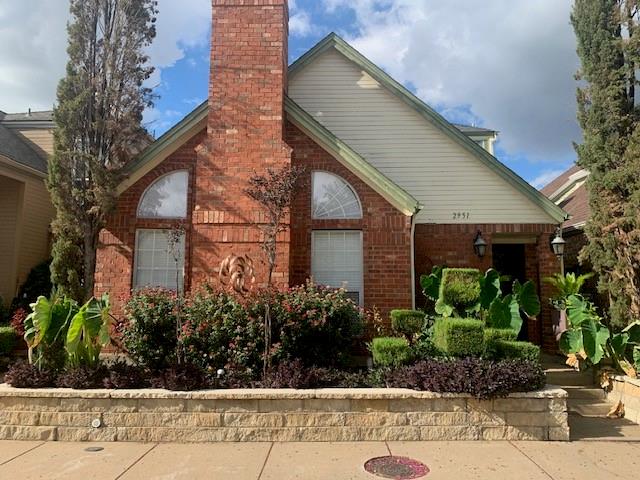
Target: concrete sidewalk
[[311, 461]]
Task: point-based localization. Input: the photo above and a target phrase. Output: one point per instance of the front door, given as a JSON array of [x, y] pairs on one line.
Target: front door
[[509, 259]]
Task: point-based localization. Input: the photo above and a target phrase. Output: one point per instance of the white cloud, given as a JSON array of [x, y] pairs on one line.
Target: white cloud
[[510, 62], [546, 177], [300, 24], [33, 41]]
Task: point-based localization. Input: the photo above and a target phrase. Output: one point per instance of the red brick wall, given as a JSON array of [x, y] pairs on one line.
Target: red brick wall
[[452, 245], [386, 231], [244, 137], [114, 267]]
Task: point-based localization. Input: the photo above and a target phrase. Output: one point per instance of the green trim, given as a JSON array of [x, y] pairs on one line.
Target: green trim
[[334, 41], [351, 159], [178, 130]]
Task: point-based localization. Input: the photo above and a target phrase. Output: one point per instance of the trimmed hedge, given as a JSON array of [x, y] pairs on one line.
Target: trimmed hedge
[[492, 335], [460, 287], [8, 339], [517, 350], [390, 351], [459, 337], [407, 322]]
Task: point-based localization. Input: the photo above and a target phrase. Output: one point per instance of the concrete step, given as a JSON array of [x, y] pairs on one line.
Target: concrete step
[[569, 377], [603, 429], [589, 408], [583, 393]]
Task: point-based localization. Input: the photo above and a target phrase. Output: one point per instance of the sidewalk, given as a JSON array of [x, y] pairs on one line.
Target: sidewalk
[[321, 461]]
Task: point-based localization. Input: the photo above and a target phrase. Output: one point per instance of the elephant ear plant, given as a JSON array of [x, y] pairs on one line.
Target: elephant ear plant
[[589, 340], [58, 325], [467, 292]]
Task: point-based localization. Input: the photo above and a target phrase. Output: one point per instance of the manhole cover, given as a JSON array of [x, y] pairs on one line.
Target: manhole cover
[[94, 449], [397, 468]]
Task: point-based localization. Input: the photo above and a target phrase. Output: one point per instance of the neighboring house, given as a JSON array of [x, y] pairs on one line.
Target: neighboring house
[[569, 191], [393, 188], [26, 140]]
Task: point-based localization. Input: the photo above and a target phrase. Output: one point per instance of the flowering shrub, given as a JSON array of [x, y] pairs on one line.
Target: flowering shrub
[[317, 325], [149, 334]]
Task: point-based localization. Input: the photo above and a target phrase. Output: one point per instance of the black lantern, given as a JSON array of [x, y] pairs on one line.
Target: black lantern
[[480, 245], [558, 244]]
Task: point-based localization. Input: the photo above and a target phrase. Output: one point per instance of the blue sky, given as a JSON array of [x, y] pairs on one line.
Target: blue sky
[[500, 64]]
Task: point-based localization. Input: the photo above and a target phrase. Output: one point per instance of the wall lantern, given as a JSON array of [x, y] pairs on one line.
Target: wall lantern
[[558, 244], [480, 245]]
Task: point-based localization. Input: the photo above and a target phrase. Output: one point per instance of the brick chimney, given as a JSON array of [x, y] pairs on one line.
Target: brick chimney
[[244, 135]]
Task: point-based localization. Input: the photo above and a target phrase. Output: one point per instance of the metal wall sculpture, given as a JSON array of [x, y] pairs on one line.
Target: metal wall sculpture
[[237, 273]]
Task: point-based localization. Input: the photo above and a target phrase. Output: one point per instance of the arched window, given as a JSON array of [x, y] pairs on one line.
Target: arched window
[[166, 197], [333, 198]]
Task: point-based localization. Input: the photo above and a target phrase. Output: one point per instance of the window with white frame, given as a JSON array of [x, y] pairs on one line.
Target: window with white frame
[[333, 198], [166, 197], [159, 261], [336, 261]]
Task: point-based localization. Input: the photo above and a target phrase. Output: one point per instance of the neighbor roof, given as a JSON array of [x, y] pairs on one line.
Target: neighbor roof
[[16, 150], [333, 41], [44, 116], [473, 131], [569, 191]]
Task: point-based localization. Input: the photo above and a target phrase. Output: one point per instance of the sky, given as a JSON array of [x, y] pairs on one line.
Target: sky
[[502, 64]]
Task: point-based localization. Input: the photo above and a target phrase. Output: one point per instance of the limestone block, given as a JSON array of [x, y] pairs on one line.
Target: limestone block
[[222, 405], [97, 405], [157, 405], [449, 433], [370, 405], [68, 419], [329, 434], [527, 419], [314, 419], [263, 434], [15, 432], [327, 405], [284, 405], [13, 417], [375, 419], [26, 404], [520, 405], [389, 433], [438, 418], [474, 404], [163, 419], [74, 434], [557, 405], [268, 420], [478, 417], [559, 434]]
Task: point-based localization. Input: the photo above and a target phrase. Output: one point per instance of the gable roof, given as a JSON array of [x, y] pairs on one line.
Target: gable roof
[[20, 153], [569, 191], [333, 41]]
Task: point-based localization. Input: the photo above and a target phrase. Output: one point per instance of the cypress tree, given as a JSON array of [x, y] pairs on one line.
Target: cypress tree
[[609, 50], [98, 120]]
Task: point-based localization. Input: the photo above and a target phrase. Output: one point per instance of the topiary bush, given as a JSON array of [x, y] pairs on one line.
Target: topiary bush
[[8, 340], [407, 322], [492, 335], [459, 290], [505, 349], [459, 337], [390, 351], [149, 332], [484, 379]]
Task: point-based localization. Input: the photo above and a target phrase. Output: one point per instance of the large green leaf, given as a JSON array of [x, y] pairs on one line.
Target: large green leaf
[[431, 283], [636, 358], [38, 321], [578, 311], [443, 308], [571, 342], [89, 331], [619, 344], [527, 297], [489, 288], [505, 313], [633, 331], [595, 337]]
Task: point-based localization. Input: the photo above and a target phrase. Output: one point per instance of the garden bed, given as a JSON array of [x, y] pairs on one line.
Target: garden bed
[[626, 390], [278, 415]]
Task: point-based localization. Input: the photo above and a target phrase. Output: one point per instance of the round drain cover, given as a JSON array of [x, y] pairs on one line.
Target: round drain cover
[[397, 468], [94, 449]]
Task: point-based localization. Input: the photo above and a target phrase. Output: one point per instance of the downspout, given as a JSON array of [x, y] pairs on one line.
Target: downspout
[[413, 261]]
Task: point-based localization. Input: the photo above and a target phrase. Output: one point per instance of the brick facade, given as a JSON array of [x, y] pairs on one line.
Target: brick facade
[[386, 231], [452, 245]]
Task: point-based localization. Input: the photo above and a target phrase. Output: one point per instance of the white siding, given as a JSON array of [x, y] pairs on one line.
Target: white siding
[[441, 174]]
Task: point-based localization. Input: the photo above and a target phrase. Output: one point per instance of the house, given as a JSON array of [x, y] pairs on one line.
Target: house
[[26, 140], [393, 188]]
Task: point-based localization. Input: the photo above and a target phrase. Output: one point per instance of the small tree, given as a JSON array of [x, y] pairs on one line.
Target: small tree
[[98, 128], [274, 192], [175, 237]]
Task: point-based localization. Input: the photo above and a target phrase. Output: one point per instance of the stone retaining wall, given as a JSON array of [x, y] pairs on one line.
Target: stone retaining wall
[[627, 390], [278, 415]]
